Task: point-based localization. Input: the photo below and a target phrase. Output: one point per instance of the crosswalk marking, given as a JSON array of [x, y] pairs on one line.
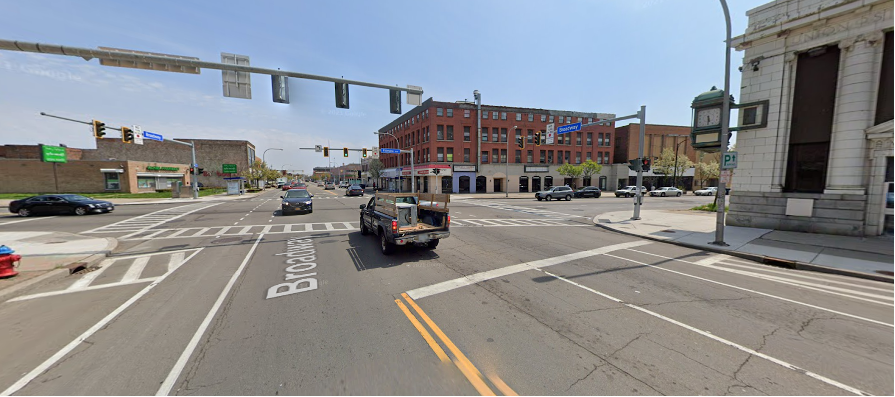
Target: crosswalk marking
[[525, 210], [136, 267], [509, 222], [152, 219]]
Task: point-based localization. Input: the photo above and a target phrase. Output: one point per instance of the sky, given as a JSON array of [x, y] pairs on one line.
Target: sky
[[606, 56]]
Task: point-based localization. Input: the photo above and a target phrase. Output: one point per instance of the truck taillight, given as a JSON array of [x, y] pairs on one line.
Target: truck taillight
[[448, 221], [394, 226]]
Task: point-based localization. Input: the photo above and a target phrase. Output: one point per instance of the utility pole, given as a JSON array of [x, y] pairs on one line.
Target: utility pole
[[725, 129]]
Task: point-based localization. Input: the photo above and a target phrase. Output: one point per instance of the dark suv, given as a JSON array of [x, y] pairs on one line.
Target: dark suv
[[556, 192]]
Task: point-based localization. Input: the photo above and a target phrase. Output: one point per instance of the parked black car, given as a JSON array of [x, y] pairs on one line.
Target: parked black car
[[588, 191], [297, 200], [52, 204]]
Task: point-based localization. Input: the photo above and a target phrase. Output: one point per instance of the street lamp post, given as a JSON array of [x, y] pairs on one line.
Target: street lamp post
[[676, 146], [725, 128], [264, 161], [398, 146], [506, 170]]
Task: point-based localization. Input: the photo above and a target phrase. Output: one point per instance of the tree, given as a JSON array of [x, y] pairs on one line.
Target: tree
[[569, 170], [589, 168], [706, 171], [259, 171], [666, 163], [375, 168]]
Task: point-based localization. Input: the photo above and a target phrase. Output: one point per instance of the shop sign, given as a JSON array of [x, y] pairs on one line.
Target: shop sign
[[228, 168], [464, 168], [53, 154], [157, 168], [537, 168]]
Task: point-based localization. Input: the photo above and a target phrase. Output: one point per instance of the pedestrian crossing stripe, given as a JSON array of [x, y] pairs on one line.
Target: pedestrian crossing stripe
[[109, 274], [525, 210], [151, 219]]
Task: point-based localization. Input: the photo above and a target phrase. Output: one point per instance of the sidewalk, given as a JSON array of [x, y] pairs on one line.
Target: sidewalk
[[46, 254], [865, 257], [4, 203]]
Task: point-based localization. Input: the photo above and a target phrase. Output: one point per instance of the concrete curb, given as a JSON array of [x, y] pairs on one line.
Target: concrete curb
[[777, 262]]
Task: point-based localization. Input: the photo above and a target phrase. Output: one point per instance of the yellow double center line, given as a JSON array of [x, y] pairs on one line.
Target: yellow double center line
[[460, 360]]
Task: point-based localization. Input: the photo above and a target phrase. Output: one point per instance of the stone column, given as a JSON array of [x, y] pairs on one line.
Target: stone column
[[847, 171]]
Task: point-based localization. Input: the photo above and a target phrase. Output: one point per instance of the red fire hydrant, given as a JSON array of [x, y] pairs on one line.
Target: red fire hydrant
[[7, 262]]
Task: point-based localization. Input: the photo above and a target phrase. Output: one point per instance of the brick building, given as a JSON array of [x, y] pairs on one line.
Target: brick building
[[823, 163], [658, 137], [211, 154], [450, 155], [22, 171]]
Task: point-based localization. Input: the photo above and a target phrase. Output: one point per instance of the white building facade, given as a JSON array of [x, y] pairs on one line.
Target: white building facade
[[823, 163]]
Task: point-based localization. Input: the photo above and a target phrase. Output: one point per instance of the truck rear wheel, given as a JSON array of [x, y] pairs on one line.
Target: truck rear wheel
[[387, 247], [363, 228], [432, 244]]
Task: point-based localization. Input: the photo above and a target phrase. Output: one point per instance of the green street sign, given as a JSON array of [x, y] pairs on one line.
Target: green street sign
[[229, 168], [53, 154]]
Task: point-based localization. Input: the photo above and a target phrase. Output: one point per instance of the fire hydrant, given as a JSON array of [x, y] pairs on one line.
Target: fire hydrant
[[7, 261]]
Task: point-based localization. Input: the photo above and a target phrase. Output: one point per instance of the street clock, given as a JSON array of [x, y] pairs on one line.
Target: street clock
[[706, 131]]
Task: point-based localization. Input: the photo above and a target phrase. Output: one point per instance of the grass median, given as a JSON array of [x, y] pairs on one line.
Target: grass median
[[150, 195]]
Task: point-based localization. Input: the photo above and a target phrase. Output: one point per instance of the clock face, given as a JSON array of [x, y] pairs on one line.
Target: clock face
[[708, 117]]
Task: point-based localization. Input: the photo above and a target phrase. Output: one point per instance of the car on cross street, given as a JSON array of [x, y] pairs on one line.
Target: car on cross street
[[556, 192], [52, 204], [666, 191]]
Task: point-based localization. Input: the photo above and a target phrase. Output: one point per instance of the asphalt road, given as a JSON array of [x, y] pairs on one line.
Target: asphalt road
[[525, 297]]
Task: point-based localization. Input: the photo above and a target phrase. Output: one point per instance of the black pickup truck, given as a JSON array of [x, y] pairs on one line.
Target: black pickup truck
[[406, 218]]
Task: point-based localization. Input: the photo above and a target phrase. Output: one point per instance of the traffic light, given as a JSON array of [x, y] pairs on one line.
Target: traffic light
[[201, 170], [325, 151], [99, 128], [645, 165], [635, 164], [538, 138], [192, 171], [127, 135], [394, 101], [520, 141], [344, 152], [365, 152], [358, 174], [342, 95]]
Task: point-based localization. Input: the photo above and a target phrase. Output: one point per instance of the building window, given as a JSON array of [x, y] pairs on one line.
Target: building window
[[503, 134], [606, 141], [600, 139], [494, 132], [530, 157], [439, 135], [450, 112], [605, 157], [590, 120], [551, 119], [450, 154], [518, 135], [485, 156], [146, 182], [530, 137], [484, 134], [548, 182], [568, 119], [518, 116], [450, 133], [494, 154], [518, 156], [560, 138], [543, 118], [465, 155], [813, 106], [466, 113], [577, 157], [466, 134], [494, 115], [578, 138], [531, 117], [503, 115], [543, 157], [588, 158], [884, 107], [549, 157], [439, 112], [112, 181], [428, 155], [599, 158], [568, 156], [590, 138], [503, 155]]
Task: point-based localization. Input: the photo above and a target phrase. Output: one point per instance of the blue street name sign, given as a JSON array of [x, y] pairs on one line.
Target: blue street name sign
[[569, 128], [388, 150], [153, 136]]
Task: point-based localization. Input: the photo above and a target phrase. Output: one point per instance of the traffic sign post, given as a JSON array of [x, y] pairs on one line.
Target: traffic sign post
[[153, 136], [389, 150], [569, 128], [138, 134], [551, 134], [729, 161]]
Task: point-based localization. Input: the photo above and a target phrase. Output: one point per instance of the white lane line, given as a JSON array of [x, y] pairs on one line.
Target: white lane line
[[175, 260], [798, 283], [709, 335], [90, 288], [445, 286], [96, 327], [711, 260], [793, 273], [135, 269], [757, 292], [89, 277], [166, 386], [26, 220]]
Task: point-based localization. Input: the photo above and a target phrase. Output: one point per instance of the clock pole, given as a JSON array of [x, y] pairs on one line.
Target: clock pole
[[725, 128]]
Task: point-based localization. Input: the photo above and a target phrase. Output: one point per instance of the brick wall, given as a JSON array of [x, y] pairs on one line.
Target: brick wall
[[35, 176]]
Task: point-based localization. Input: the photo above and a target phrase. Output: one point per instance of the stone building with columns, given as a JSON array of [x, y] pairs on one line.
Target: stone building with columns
[[823, 163]]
